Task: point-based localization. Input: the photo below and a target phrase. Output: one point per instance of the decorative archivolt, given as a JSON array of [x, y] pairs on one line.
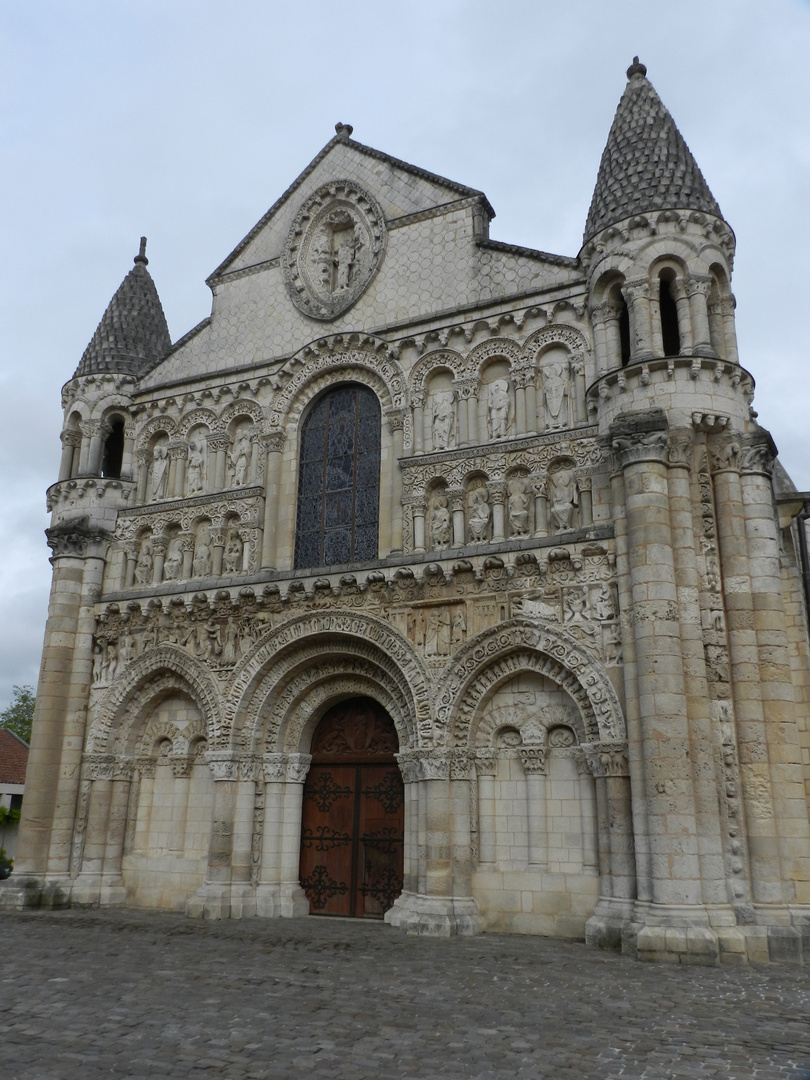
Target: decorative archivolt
[[307, 376], [143, 683], [441, 359], [554, 334], [532, 723], [158, 730], [305, 642], [158, 425], [488, 350], [498, 654], [242, 407], [110, 403], [204, 417]]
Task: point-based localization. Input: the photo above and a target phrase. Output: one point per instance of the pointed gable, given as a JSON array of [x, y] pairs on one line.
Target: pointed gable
[[646, 165], [401, 189], [132, 335]]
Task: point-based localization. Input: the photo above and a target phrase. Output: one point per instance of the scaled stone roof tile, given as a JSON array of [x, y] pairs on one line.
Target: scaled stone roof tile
[[133, 335], [646, 164]]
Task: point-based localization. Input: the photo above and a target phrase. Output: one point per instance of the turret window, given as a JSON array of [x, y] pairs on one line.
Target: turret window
[[339, 479], [113, 456], [670, 333]]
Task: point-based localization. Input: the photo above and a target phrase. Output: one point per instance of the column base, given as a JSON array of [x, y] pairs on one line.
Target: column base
[[281, 900], [605, 927], [219, 900], [435, 916], [26, 891]]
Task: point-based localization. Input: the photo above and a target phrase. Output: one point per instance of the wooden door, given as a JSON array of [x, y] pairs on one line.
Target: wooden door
[[353, 815]]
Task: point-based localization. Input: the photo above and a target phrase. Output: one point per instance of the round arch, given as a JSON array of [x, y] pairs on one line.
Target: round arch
[[515, 646]]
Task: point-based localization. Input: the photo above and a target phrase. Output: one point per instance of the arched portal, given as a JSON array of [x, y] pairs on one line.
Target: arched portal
[[352, 829]]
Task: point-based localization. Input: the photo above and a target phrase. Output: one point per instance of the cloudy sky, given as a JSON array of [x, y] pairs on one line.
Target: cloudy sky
[[185, 119]]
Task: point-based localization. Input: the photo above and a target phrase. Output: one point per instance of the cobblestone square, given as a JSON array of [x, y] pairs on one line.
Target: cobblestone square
[[133, 994]]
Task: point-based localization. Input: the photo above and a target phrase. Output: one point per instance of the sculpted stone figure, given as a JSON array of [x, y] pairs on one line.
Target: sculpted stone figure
[[480, 514], [174, 560], [196, 463], [555, 392], [160, 471], [518, 504], [145, 563], [562, 498], [240, 457], [604, 606], [444, 420], [202, 552], [232, 559], [498, 408], [459, 633], [440, 531]]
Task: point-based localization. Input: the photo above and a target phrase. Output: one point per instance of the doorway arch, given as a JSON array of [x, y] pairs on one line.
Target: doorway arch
[[352, 828]]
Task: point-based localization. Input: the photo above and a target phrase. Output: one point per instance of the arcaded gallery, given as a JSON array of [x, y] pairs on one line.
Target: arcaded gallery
[[434, 579]]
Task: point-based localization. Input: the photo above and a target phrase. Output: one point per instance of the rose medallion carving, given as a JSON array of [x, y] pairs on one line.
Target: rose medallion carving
[[334, 249]]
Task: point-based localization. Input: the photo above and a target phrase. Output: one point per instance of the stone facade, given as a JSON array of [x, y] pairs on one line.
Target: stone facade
[[519, 501]]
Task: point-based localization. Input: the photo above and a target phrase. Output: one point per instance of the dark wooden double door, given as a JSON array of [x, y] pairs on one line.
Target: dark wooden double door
[[353, 815]]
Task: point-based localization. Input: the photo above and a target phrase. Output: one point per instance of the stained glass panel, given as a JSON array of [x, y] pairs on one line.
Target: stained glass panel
[[339, 479]]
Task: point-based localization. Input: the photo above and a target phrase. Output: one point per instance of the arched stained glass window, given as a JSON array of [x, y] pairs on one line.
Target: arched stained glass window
[[339, 479]]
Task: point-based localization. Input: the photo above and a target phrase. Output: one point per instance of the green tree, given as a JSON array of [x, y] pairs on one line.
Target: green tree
[[19, 715]]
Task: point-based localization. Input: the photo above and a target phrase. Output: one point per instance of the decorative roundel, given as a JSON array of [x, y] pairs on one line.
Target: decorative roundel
[[334, 249]]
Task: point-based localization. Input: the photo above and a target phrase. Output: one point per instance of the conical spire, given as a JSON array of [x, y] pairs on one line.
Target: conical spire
[[646, 165], [132, 335]]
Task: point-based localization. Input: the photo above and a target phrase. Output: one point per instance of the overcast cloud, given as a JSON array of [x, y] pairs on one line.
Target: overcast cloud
[[185, 120]]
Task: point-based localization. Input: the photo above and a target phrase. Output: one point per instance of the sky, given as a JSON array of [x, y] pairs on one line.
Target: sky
[[185, 120]]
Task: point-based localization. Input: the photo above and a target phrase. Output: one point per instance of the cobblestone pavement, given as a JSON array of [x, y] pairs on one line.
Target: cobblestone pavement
[[144, 995]]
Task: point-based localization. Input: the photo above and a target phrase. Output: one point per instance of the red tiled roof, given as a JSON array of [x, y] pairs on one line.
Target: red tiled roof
[[13, 758]]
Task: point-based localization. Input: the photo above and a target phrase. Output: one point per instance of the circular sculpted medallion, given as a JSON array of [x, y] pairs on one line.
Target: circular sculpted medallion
[[334, 249]]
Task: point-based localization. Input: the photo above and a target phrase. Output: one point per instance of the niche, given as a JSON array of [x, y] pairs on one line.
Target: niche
[[112, 458]]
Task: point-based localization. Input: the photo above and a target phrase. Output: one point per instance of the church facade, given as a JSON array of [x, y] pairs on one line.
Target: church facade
[[435, 579]]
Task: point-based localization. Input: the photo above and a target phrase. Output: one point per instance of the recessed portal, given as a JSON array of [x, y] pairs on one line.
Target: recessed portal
[[353, 815]]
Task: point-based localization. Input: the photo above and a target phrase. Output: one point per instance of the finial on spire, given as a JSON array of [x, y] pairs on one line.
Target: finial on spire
[[141, 256], [636, 69], [344, 131]]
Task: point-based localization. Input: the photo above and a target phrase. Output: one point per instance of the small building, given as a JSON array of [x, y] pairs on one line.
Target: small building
[[13, 763]]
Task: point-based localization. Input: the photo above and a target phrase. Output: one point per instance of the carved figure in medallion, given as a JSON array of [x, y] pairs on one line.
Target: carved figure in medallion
[[195, 466], [440, 532], [480, 515], [498, 409], [145, 563], [160, 471], [518, 504], [562, 498], [240, 457], [444, 420], [232, 559]]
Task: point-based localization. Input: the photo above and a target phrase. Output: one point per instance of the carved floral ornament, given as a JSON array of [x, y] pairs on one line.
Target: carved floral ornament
[[334, 249]]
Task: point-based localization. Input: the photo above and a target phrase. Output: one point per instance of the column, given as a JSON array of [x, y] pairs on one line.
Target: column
[[213, 899], [187, 547], [255, 451], [680, 296], [131, 552], [640, 443], [539, 482], [520, 402], [87, 862], [587, 804], [418, 407], [112, 885], [744, 675], [274, 445], [268, 891], [578, 388], [218, 448], [292, 899], [702, 737], [637, 296], [178, 453], [585, 501], [697, 289], [409, 768], [466, 390], [727, 305], [217, 551], [778, 695], [96, 431], [396, 424], [534, 765], [128, 454], [418, 509], [486, 767], [144, 460], [71, 443], [159, 547], [456, 497], [497, 496]]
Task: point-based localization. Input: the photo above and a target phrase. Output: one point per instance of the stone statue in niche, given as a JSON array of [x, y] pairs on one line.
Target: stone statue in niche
[[438, 631], [335, 251], [499, 407], [232, 559], [613, 645], [195, 466], [555, 394], [202, 552], [432, 633], [604, 606], [145, 563], [230, 642], [562, 498], [480, 515], [518, 505], [444, 420], [173, 565], [160, 471], [440, 530], [240, 457], [127, 648]]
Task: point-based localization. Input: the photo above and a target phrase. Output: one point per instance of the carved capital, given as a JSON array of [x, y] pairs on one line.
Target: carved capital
[[639, 437], [178, 448], [274, 767], [146, 767], [724, 455], [298, 767], [497, 492], [697, 285], [274, 442], [466, 387], [92, 428], [523, 376], [534, 759], [98, 767], [218, 442], [418, 399], [76, 539], [224, 764], [486, 762], [71, 438], [758, 454], [584, 483], [679, 453], [435, 764], [636, 290], [409, 767], [396, 419], [460, 765]]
